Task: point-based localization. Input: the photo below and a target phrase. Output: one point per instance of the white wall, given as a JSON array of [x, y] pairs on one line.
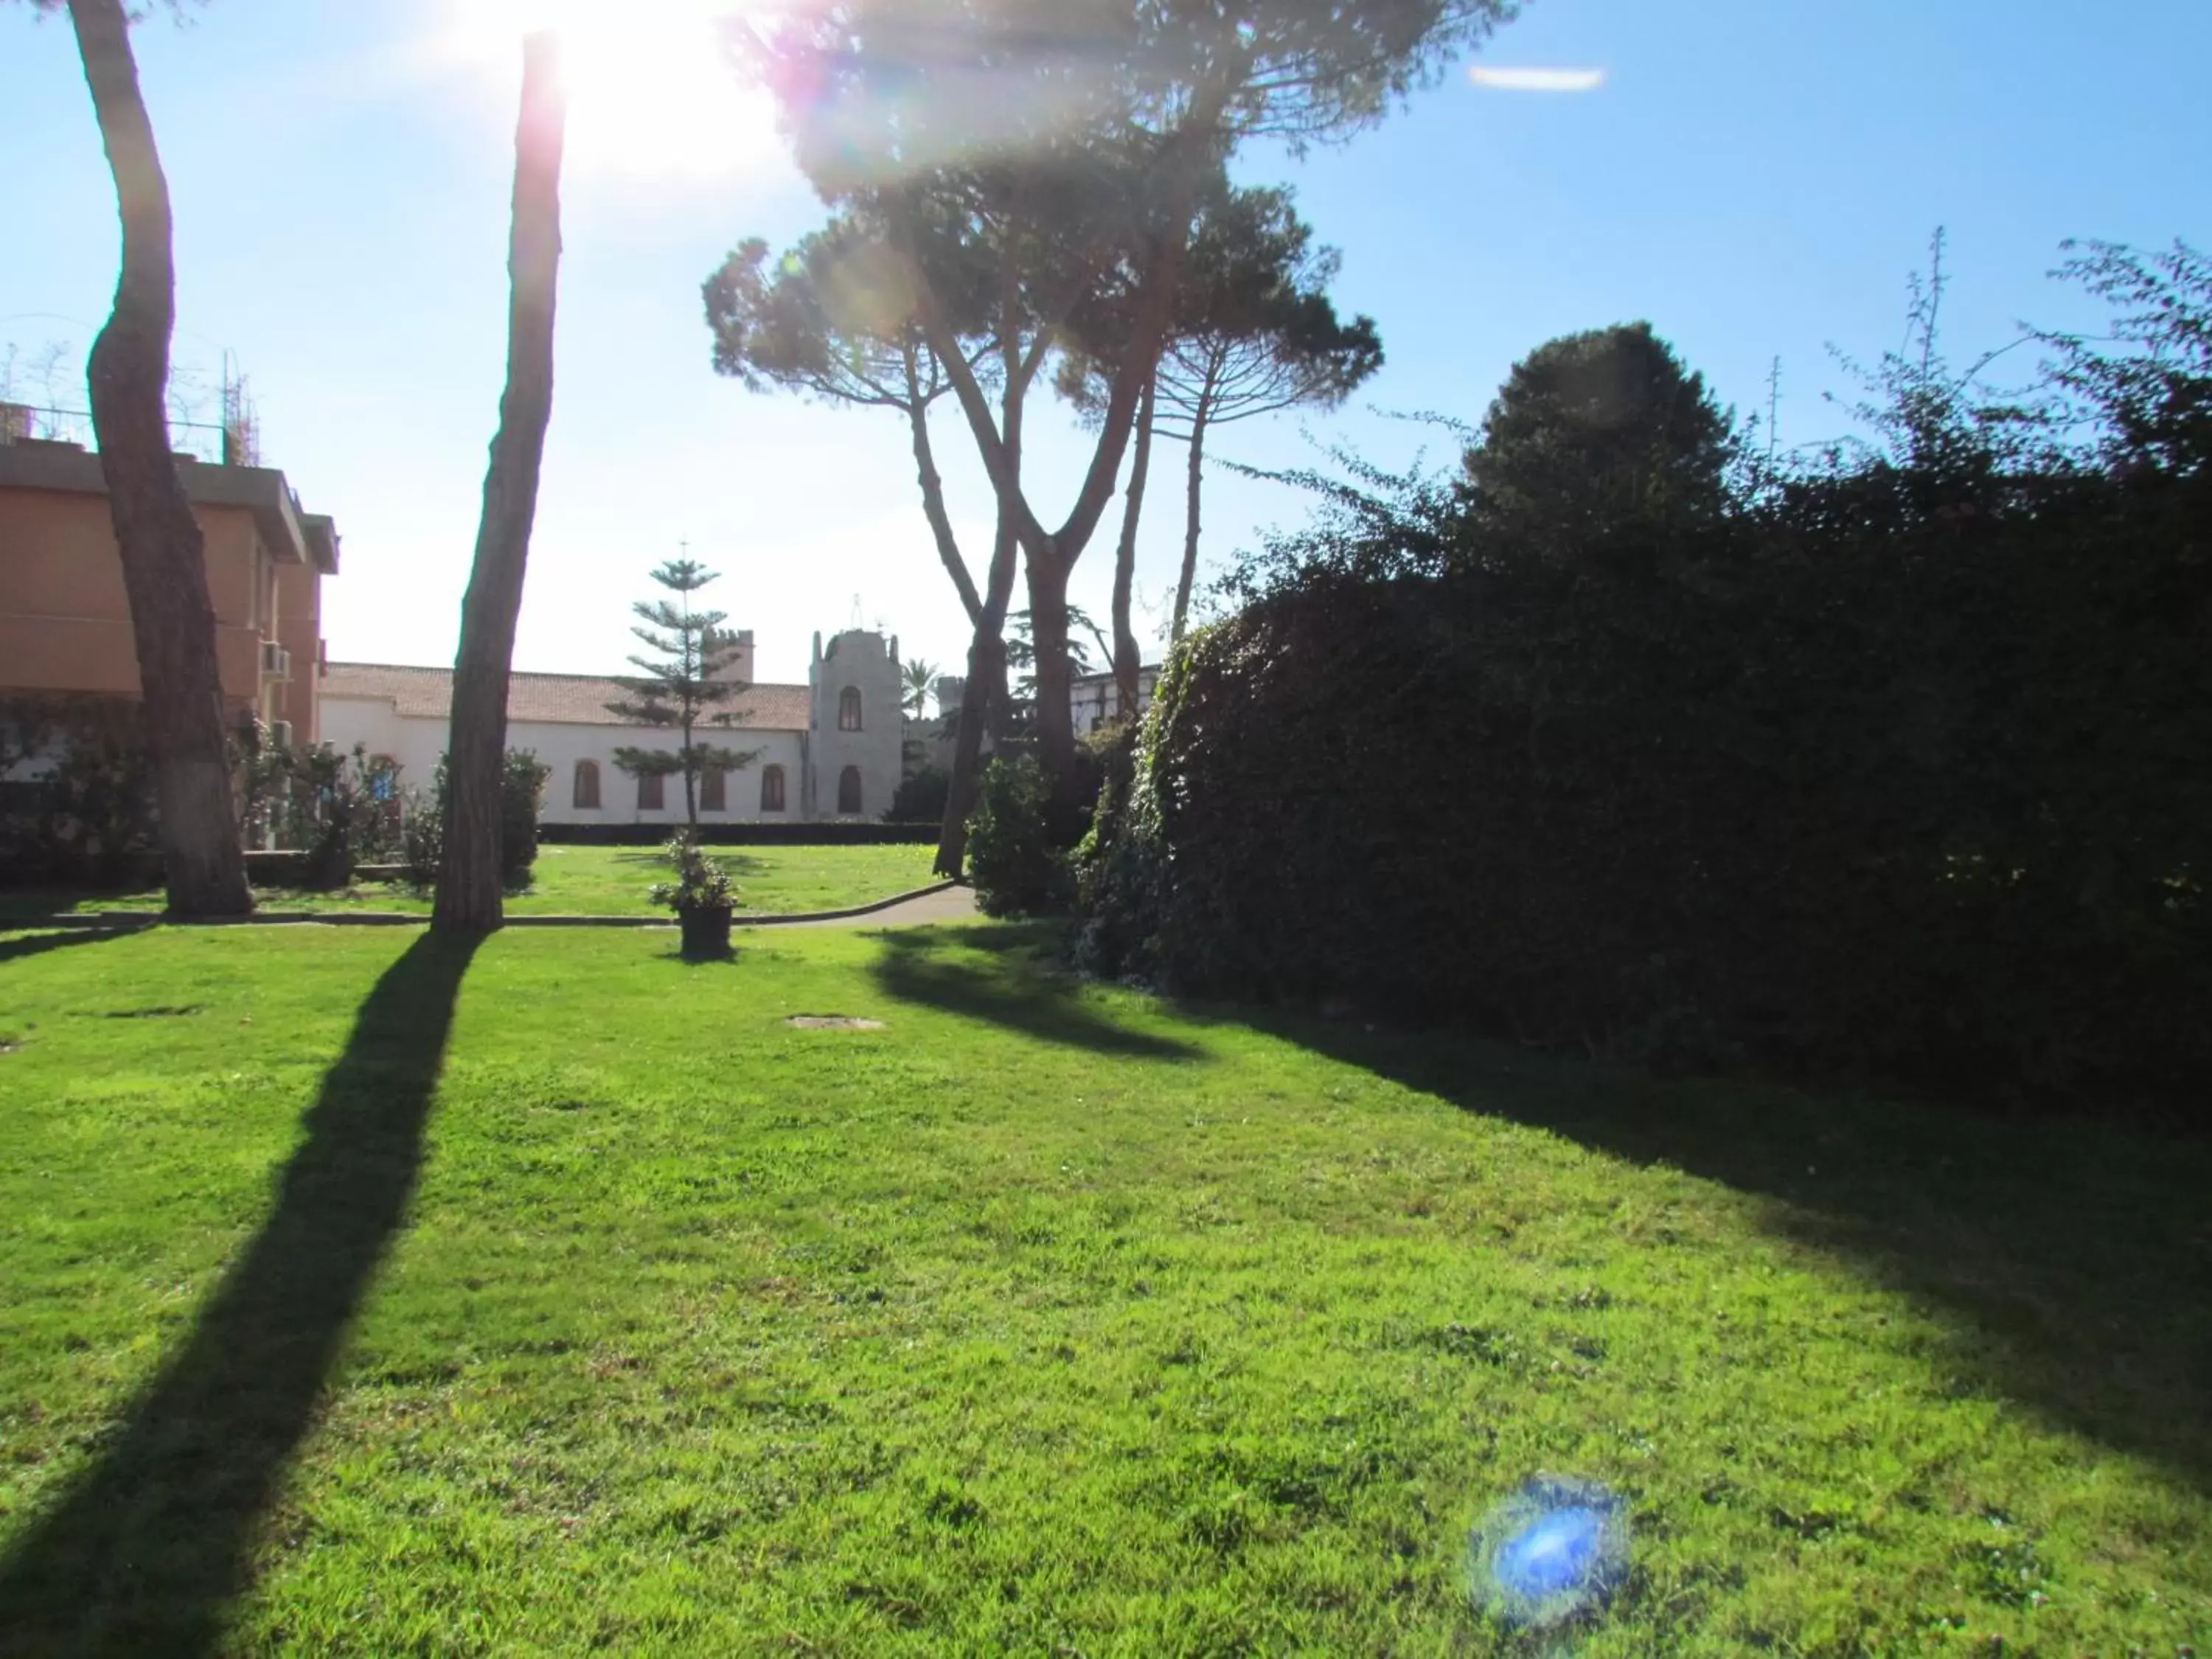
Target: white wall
[[560, 746], [376, 726], [417, 744]]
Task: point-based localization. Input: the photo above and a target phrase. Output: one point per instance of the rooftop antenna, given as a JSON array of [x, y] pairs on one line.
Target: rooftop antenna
[[855, 623]]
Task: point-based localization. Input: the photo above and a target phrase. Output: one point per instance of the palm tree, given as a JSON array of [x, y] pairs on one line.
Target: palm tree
[[921, 681]]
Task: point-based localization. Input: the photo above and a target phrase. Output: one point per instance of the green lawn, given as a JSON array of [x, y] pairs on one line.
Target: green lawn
[[358, 1299], [594, 881]]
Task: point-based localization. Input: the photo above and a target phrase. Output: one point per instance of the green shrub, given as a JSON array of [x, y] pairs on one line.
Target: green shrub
[[701, 883], [88, 818], [522, 784], [921, 798], [1016, 868], [522, 787], [1894, 768]]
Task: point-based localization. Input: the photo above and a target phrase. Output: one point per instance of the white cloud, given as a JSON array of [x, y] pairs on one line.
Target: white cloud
[[1536, 80]]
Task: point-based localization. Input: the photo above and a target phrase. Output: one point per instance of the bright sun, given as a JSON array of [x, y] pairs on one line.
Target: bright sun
[[650, 92]]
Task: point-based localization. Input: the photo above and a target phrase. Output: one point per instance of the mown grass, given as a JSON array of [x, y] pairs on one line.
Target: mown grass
[[360, 1298], [587, 881]]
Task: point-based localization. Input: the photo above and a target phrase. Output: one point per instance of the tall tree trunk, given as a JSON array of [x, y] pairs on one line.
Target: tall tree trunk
[[469, 885], [164, 556], [982, 701], [1056, 672], [1127, 659], [932, 499], [1193, 489], [1052, 555]]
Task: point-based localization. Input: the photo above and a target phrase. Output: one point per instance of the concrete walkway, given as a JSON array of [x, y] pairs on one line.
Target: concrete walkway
[[952, 904], [945, 903]]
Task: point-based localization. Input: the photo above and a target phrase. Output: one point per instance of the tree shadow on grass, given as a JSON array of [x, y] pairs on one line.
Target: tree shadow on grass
[[147, 1549], [34, 944], [912, 968], [2070, 1262]]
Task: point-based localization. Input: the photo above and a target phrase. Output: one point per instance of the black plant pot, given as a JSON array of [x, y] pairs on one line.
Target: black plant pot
[[706, 932]]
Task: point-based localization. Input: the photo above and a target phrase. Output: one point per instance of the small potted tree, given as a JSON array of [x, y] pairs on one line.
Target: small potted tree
[[701, 896]]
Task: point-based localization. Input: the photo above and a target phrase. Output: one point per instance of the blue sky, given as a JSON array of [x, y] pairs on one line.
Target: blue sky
[[1755, 176]]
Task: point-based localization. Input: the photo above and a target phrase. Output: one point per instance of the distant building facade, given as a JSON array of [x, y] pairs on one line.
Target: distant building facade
[[829, 750], [1095, 700], [65, 620]]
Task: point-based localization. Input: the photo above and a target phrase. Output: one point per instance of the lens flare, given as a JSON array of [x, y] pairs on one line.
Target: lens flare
[[652, 93], [1556, 1548]]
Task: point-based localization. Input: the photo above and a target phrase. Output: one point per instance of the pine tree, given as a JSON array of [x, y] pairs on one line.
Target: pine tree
[[680, 684]]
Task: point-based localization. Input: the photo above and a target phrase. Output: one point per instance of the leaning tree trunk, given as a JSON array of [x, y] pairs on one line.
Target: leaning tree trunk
[[1127, 662], [982, 701], [1193, 486], [469, 884], [164, 556]]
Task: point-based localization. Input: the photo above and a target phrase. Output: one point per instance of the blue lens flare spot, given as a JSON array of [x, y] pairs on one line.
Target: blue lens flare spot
[[1556, 1548]]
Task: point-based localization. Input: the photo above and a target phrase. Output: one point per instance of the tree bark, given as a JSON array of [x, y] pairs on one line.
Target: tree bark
[[1055, 673], [1193, 489], [469, 902], [1052, 555], [163, 555], [932, 504], [982, 703], [1128, 661]]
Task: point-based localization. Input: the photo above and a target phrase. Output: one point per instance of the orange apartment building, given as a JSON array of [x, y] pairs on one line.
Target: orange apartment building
[[65, 622]]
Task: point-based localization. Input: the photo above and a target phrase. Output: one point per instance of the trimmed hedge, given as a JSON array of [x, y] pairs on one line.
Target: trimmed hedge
[[743, 834], [1923, 800]]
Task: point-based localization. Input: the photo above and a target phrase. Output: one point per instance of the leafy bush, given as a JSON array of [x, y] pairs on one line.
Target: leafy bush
[[522, 785], [700, 883], [522, 789], [1894, 767], [1015, 867], [337, 809], [921, 798], [87, 817]]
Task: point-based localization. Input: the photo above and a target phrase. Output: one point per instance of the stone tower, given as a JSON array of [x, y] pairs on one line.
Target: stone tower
[[853, 740]]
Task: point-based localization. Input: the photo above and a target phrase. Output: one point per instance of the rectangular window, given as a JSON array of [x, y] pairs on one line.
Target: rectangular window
[[713, 791], [651, 798]]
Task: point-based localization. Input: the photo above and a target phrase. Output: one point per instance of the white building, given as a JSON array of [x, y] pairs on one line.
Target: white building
[[1095, 700], [829, 750]]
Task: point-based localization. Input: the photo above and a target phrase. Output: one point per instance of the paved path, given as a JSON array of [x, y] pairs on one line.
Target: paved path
[[954, 904], [947, 903]]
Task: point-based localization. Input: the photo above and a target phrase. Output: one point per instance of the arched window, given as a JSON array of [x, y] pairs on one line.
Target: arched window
[[848, 709], [772, 789], [848, 790], [586, 798], [650, 796], [713, 794]]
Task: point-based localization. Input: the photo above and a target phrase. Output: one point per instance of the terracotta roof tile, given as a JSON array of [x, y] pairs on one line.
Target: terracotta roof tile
[[565, 699]]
